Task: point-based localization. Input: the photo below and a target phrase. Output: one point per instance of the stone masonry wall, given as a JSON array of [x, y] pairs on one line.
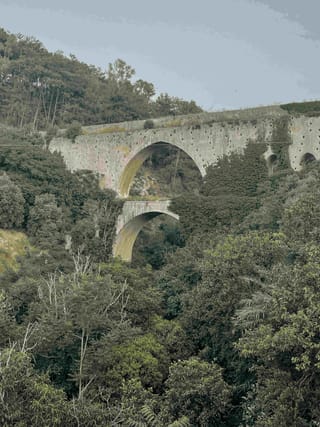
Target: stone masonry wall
[[204, 137]]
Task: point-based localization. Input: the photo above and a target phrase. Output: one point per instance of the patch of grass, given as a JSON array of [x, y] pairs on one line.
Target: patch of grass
[[311, 108], [146, 197], [193, 123], [12, 245], [173, 123], [101, 131]]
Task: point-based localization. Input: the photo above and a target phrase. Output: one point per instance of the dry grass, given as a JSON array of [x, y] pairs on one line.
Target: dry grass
[[101, 131], [12, 245], [173, 123]]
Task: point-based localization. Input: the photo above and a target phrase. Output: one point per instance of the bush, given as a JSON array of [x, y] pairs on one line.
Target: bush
[[73, 131], [148, 124]]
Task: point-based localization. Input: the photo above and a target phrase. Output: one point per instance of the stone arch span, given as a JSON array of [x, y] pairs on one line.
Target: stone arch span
[[135, 215], [136, 161]]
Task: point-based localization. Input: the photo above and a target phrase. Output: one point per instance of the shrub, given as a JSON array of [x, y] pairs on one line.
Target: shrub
[[73, 131], [148, 124]]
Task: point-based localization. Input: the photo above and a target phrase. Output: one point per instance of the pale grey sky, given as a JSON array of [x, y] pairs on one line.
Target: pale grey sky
[[222, 53]]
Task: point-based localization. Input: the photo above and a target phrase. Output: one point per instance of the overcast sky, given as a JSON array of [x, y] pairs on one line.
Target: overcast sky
[[224, 54]]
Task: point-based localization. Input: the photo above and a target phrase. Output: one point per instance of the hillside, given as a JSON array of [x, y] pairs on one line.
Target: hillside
[[215, 323], [41, 89]]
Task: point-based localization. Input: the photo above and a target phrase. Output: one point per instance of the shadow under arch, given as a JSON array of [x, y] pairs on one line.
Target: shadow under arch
[[306, 159], [272, 162], [128, 234], [138, 159]]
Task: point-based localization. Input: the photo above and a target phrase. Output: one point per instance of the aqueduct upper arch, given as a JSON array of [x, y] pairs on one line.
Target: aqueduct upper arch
[[140, 150], [136, 161]]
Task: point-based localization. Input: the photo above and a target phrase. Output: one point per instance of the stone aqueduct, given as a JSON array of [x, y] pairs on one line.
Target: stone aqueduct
[[116, 152]]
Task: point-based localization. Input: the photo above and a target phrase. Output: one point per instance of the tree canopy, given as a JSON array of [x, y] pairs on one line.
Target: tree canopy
[[217, 320], [41, 89]]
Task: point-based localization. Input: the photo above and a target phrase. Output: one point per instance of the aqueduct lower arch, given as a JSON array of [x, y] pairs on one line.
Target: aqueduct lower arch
[[135, 214]]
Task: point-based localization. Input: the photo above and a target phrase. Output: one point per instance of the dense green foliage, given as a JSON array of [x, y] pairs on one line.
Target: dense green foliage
[[311, 108], [42, 89], [224, 332], [217, 321], [41, 197], [229, 192], [11, 203]]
